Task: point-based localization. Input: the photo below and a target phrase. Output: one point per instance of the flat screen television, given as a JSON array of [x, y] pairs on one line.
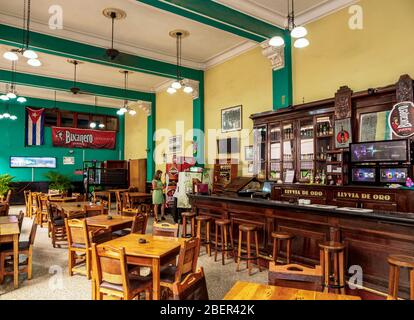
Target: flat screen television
[[380, 151], [393, 175], [228, 146], [364, 175], [32, 162]]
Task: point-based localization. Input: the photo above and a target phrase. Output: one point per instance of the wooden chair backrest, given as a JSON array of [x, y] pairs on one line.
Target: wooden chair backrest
[[42, 202], [118, 198], [165, 229], [20, 219], [187, 260], [94, 210], [126, 201], [34, 199], [193, 287], [139, 225], [26, 194], [52, 212], [98, 236], [129, 212], [4, 209], [111, 266], [79, 197], [77, 232], [32, 235]]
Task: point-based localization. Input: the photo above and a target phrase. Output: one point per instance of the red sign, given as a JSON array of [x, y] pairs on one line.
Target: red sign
[[401, 119], [83, 138]]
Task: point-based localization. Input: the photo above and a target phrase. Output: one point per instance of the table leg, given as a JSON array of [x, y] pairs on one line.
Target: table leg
[[156, 279], [16, 260]]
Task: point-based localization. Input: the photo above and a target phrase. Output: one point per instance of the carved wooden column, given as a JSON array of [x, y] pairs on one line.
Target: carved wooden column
[[405, 91]]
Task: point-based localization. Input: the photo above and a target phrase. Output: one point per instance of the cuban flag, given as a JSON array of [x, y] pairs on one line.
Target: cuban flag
[[35, 120]]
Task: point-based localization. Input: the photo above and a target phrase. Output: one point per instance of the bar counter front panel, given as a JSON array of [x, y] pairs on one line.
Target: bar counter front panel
[[369, 237]]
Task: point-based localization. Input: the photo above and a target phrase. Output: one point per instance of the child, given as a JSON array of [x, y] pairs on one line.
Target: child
[[157, 195]]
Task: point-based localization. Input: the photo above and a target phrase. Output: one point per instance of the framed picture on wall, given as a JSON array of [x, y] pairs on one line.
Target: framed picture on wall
[[248, 153], [231, 119], [175, 144], [343, 133]]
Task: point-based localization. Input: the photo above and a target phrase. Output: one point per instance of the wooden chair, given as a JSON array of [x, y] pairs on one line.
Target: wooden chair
[[27, 202], [126, 200], [193, 287], [396, 263], [26, 249], [42, 215], [56, 225], [78, 247], [295, 276], [94, 210], [34, 202], [4, 209], [129, 212], [165, 229], [139, 225], [187, 263], [111, 276], [80, 197], [118, 198]]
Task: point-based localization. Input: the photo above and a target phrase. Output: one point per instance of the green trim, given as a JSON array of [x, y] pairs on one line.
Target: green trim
[[198, 124], [64, 85], [151, 127], [282, 79], [70, 49], [219, 16]]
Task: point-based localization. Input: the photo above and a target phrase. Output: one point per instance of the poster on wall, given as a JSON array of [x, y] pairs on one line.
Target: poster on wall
[[68, 161], [83, 138], [231, 119], [401, 119], [374, 127], [343, 133]]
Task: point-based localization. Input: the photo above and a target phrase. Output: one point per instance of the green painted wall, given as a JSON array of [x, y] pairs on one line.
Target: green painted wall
[[13, 136]]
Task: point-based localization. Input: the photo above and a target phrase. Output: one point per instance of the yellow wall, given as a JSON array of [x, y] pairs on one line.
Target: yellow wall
[[245, 80], [136, 135], [374, 56], [171, 111]]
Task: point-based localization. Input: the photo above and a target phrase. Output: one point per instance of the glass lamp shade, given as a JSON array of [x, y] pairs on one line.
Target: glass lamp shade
[[92, 125], [188, 89], [119, 112], [176, 85], [301, 43], [11, 95], [101, 125], [4, 97], [6, 115], [11, 56], [13, 117], [21, 99], [171, 90], [132, 112], [30, 54], [34, 62], [124, 110], [299, 32], [276, 41], [1, 116]]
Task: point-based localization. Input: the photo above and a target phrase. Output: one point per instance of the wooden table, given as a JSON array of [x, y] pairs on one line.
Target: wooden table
[[63, 200], [71, 209], [9, 232], [256, 291], [9, 219], [156, 252], [114, 224], [104, 193]]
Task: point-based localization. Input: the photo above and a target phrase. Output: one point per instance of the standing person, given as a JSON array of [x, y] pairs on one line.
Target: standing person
[[157, 195]]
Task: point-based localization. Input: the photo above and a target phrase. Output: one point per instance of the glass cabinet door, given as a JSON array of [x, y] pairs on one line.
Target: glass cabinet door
[[324, 145], [275, 153], [288, 148], [306, 151], [260, 141]]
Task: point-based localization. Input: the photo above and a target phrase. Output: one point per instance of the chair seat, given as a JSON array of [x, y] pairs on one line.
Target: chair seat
[[8, 247], [59, 223], [332, 245], [223, 222], [281, 235], [188, 214], [203, 218], [247, 227], [401, 261], [137, 283], [167, 274], [121, 233], [78, 245]]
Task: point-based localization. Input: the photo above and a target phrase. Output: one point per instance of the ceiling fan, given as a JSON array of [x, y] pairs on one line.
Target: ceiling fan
[[75, 89], [113, 14]]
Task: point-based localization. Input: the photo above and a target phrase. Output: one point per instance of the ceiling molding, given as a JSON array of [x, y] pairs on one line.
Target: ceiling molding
[[230, 54]]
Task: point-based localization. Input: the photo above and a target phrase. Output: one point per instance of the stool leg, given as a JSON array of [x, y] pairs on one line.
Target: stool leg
[[208, 239], [341, 272], [222, 244], [226, 246], [257, 251], [199, 229], [327, 272], [275, 250], [216, 244], [335, 271], [288, 250], [249, 265], [232, 242], [184, 227], [239, 251], [391, 282], [193, 233], [396, 282], [412, 284]]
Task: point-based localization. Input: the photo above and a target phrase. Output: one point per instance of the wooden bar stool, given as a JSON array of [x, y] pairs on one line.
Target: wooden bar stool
[[206, 239], [396, 262], [225, 228], [335, 278], [248, 229], [190, 216], [280, 236]]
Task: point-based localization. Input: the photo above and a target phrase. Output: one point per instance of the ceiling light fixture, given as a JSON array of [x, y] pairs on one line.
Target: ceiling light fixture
[[125, 109], [277, 42], [11, 88], [179, 82], [11, 55], [296, 32]]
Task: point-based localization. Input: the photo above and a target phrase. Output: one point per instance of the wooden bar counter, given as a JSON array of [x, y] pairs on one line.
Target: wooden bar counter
[[369, 237]]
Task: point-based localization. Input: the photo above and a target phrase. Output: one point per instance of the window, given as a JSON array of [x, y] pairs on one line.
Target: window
[[51, 116], [112, 123], [83, 121], [66, 119]]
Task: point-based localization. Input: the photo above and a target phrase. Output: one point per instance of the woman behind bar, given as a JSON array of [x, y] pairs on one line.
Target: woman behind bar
[[157, 195]]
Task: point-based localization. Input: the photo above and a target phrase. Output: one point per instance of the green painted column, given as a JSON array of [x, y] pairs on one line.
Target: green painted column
[[282, 79], [151, 127], [198, 124]]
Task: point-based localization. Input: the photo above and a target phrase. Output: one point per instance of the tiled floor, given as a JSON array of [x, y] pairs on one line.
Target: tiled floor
[[51, 281]]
